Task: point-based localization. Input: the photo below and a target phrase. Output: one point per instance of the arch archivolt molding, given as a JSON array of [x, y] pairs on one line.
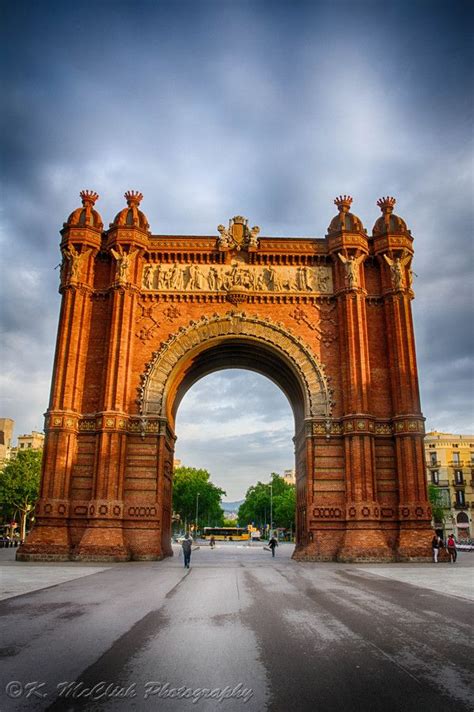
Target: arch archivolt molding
[[289, 347]]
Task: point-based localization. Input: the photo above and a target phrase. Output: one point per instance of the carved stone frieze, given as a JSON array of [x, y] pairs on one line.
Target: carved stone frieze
[[223, 278]]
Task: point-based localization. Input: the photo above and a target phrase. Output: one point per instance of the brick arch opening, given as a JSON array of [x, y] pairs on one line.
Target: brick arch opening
[[239, 425], [246, 339], [236, 341]]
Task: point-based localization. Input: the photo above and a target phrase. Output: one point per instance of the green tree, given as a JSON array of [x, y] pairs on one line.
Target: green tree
[[188, 482], [257, 504], [229, 523], [19, 485], [284, 507], [435, 497]]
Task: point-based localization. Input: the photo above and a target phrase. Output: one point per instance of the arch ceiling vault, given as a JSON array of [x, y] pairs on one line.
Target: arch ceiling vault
[[144, 316]]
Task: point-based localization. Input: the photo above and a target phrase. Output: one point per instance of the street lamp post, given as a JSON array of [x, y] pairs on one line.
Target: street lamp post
[[271, 510], [197, 513]]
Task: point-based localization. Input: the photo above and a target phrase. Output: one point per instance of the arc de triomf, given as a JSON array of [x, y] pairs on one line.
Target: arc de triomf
[[144, 316]]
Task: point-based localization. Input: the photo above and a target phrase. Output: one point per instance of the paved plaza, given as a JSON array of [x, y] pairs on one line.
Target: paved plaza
[[237, 631]]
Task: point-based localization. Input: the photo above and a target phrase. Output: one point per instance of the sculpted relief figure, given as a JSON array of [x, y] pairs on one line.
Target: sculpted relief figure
[[274, 279], [303, 278], [148, 276], [73, 259], [253, 236], [195, 277], [351, 266], [124, 262], [176, 279], [234, 276], [397, 268], [323, 280], [212, 279], [224, 238]]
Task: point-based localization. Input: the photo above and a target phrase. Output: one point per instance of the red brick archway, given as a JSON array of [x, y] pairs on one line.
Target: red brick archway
[[144, 316]]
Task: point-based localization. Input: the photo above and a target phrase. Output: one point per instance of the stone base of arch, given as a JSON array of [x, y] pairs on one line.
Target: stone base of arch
[[415, 544], [365, 545], [346, 545], [46, 542], [102, 543]]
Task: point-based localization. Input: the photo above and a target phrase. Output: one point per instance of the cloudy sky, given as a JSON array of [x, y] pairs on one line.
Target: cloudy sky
[[211, 109]]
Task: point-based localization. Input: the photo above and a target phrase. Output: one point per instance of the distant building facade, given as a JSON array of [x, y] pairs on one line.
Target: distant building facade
[[6, 436], [290, 477], [450, 467], [33, 440]]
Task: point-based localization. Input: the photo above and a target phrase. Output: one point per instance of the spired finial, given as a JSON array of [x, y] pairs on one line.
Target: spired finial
[[133, 198], [387, 204], [88, 197], [343, 203]]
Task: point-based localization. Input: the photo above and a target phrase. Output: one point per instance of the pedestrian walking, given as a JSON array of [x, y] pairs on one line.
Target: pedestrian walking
[[436, 545], [452, 550], [212, 542], [272, 544], [186, 546]]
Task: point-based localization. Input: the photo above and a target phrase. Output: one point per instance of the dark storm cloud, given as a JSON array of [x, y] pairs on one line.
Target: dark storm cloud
[[267, 109]]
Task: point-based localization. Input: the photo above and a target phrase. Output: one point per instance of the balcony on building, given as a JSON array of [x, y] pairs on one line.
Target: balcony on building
[[458, 464], [434, 463], [439, 483]]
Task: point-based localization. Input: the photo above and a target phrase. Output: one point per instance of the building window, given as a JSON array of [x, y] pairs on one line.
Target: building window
[[456, 458], [433, 458], [435, 477], [22, 444], [29, 444], [472, 458], [444, 497], [458, 477], [460, 499]]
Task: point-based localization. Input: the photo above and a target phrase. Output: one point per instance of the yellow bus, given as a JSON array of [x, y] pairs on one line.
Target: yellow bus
[[226, 533]]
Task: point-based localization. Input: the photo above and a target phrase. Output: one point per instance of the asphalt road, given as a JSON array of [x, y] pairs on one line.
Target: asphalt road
[[240, 631]]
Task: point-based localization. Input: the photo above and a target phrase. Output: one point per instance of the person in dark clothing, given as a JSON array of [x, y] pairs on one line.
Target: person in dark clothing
[[186, 546], [272, 544], [451, 547]]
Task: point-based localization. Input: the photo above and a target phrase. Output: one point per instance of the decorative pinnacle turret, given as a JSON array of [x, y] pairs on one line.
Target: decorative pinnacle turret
[[133, 198], [88, 197], [387, 204], [343, 203]]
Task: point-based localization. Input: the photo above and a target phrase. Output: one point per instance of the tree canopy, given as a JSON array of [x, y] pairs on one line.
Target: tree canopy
[[187, 483], [437, 503], [19, 484], [256, 506]]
